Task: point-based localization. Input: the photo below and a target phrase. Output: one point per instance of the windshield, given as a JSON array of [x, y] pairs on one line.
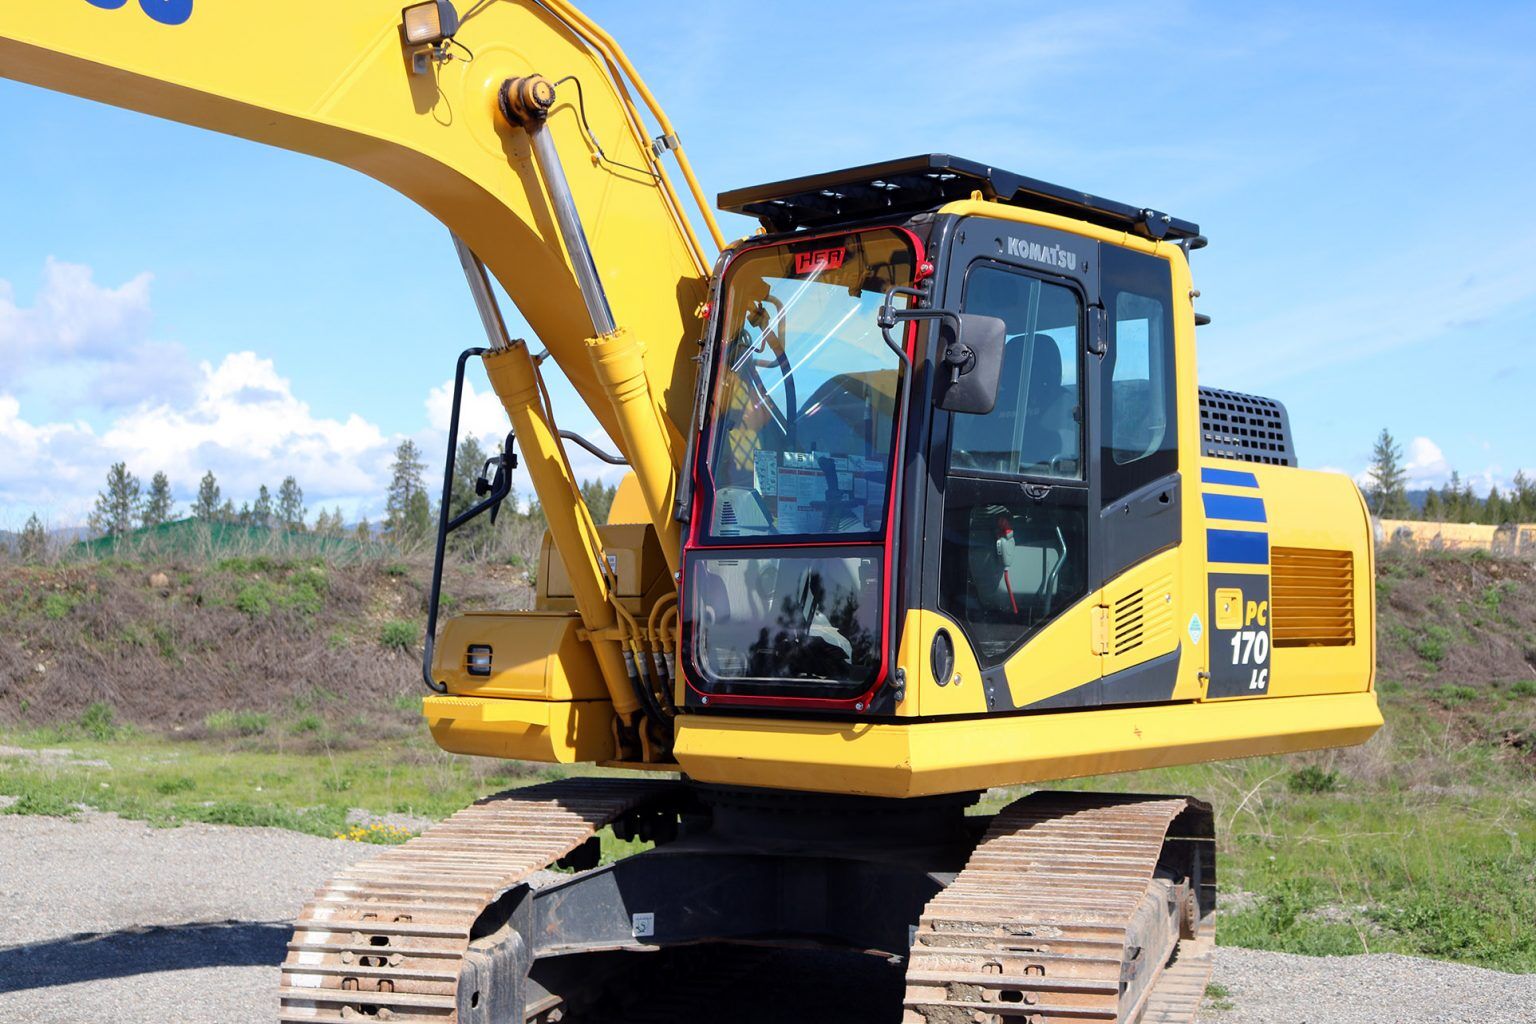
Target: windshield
[[804, 407]]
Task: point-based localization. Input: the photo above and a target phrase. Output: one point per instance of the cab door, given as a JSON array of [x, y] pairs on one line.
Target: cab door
[[1138, 524], [1016, 570]]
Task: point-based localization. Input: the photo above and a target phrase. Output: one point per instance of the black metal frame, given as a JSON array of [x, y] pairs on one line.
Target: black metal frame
[[756, 867], [919, 183], [494, 493]]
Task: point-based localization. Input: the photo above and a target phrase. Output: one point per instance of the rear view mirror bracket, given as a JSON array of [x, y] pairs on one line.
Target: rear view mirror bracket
[[972, 350]]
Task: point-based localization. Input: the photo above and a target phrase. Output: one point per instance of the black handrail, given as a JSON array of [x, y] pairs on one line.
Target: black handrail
[[495, 493]]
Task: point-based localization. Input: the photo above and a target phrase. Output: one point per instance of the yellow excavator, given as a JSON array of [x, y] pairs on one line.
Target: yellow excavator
[[923, 498]]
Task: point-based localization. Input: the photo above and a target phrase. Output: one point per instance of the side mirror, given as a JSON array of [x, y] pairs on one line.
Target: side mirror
[[970, 363]]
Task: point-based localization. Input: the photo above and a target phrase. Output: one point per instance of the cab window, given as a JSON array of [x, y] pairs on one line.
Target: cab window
[[1036, 427], [1137, 373], [1014, 552]]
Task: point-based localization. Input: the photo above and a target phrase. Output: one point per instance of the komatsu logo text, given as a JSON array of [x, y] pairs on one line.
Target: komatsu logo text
[[1050, 255], [166, 12]]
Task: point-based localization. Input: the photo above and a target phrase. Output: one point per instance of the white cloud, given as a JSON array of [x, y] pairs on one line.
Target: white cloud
[[481, 413], [243, 422], [72, 315], [1425, 463], [76, 327]]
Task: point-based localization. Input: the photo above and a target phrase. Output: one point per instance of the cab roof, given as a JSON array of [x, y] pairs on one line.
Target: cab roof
[[916, 184]]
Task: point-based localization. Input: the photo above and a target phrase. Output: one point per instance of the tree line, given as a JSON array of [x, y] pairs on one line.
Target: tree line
[[124, 504], [1454, 502]]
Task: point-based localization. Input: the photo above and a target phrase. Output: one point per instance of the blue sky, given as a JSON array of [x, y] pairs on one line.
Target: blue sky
[[1363, 174]]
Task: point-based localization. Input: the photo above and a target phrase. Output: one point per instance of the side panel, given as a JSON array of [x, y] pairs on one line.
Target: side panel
[[1322, 583]]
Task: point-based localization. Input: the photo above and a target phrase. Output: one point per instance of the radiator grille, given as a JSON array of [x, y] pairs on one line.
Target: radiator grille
[[1312, 597], [1245, 427]]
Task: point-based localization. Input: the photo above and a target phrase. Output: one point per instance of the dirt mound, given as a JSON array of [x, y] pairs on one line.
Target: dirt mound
[[167, 645], [1455, 618]]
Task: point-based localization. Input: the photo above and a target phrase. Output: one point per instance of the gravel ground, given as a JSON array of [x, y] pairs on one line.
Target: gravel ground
[[1381, 988], [103, 919]]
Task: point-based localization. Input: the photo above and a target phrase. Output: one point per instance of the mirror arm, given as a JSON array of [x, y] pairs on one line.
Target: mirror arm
[[889, 316]]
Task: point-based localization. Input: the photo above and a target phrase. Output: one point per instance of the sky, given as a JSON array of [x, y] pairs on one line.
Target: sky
[[184, 301]]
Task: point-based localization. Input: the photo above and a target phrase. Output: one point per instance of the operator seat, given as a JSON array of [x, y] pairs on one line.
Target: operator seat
[[1049, 442]]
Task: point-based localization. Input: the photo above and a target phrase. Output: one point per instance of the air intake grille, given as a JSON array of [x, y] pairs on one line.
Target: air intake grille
[[1143, 617], [1312, 597], [1128, 623], [1245, 427]]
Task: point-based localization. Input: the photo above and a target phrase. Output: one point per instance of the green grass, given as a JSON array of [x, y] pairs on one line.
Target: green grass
[[1219, 997], [1452, 695], [171, 782], [237, 723], [398, 634], [1423, 842], [58, 605], [1309, 778]]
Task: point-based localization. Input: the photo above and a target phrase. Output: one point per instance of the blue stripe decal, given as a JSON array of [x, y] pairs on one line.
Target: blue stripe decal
[[1233, 506], [1237, 546], [1230, 477]]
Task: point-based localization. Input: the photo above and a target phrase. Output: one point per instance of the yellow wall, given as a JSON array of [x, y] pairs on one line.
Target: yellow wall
[[1510, 539]]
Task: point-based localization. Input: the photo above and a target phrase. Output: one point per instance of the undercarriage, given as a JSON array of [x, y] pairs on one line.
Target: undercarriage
[[1060, 907]]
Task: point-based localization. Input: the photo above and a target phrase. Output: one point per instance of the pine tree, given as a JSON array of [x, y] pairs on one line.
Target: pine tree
[[158, 503], [1493, 507], [418, 516], [338, 524], [408, 511], [599, 498], [1471, 508], [227, 513], [32, 546], [363, 531], [1524, 498], [290, 505], [118, 504], [467, 463], [206, 507], [261, 511], [1388, 493], [1434, 507]]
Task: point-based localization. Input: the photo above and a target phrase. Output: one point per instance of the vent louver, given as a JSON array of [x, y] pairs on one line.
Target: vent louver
[[1128, 627], [1312, 597]]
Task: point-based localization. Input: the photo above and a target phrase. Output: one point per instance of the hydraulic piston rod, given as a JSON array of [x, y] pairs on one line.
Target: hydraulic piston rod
[[617, 356], [526, 102]]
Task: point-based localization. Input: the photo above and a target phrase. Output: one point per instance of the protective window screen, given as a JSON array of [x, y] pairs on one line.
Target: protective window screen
[[1137, 375], [804, 407], [802, 625], [1036, 427]]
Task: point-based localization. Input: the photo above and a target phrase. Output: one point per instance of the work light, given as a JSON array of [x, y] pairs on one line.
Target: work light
[[430, 23], [478, 659]]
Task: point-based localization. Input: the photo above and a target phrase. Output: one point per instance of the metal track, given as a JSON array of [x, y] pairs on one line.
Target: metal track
[[385, 939], [1064, 914]]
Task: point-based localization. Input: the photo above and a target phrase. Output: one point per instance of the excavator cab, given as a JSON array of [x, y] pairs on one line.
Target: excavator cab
[[840, 484]]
